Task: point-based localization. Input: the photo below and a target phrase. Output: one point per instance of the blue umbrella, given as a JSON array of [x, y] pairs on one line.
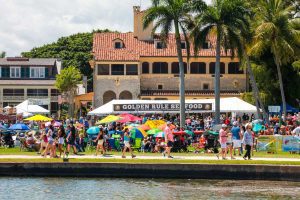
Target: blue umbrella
[[2, 128], [93, 130], [22, 127]]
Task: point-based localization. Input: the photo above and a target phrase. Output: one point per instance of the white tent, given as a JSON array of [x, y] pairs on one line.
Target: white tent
[[34, 109], [233, 104]]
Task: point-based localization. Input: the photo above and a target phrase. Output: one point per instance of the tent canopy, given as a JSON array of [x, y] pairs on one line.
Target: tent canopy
[[34, 109], [232, 104]]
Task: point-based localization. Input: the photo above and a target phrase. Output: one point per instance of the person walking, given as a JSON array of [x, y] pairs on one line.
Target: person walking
[[71, 140], [61, 139], [236, 137], [223, 141], [169, 140], [248, 141], [127, 144], [100, 144]]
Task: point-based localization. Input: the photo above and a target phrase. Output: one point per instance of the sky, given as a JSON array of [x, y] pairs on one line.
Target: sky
[[26, 24]]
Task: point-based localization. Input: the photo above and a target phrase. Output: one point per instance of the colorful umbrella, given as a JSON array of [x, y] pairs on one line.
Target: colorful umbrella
[[154, 123], [153, 131], [2, 128], [38, 118], [160, 134], [144, 127], [128, 118], [93, 130], [22, 127], [190, 133], [163, 126], [109, 119], [179, 133], [138, 133]]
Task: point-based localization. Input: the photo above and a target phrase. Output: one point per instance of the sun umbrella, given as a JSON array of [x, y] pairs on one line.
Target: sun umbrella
[[2, 128], [109, 119], [39, 118], [160, 134], [144, 127], [128, 118], [20, 127], [179, 133], [138, 133], [190, 133], [154, 123], [153, 131], [163, 126], [93, 130], [56, 124]]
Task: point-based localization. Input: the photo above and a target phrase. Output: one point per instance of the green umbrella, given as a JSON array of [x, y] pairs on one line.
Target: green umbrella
[[213, 132], [190, 133], [153, 131]]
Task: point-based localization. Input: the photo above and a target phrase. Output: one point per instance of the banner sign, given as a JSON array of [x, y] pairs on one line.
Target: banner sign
[[39, 102], [269, 143], [162, 107], [274, 109], [291, 143]]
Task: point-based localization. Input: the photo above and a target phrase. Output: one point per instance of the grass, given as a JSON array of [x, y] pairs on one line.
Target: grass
[[151, 161], [16, 151]]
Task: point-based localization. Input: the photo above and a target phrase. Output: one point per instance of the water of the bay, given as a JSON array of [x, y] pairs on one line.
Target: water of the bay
[[103, 188]]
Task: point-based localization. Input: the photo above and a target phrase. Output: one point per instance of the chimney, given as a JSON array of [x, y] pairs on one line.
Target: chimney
[[138, 30]]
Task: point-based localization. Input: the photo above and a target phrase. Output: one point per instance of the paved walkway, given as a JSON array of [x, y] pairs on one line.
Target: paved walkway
[[149, 157]]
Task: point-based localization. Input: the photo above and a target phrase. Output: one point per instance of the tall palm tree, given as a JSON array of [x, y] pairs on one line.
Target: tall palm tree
[[169, 14], [223, 18], [275, 32]]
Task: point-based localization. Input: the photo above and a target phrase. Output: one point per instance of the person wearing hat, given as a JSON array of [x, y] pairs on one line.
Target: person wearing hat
[[248, 141], [169, 140], [223, 141]]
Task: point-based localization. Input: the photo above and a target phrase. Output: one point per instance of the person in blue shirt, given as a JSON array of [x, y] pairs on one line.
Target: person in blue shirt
[[236, 137]]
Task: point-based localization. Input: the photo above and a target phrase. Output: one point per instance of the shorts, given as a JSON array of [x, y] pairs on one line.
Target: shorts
[[237, 143], [100, 142], [229, 143], [50, 142], [61, 140], [170, 144], [127, 144], [223, 145]]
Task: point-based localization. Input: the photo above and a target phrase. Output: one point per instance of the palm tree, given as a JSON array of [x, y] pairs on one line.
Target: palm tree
[[223, 18], [169, 14], [2, 54], [275, 32]]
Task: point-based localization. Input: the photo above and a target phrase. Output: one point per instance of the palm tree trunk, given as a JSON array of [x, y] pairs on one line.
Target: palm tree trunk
[[281, 90], [255, 91], [181, 75], [217, 79]]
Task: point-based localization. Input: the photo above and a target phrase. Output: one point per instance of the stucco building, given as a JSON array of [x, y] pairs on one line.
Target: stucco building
[[138, 65], [29, 78]]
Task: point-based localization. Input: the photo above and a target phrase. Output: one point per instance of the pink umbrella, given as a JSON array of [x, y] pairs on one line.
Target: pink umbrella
[[128, 118], [57, 124], [47, 123]]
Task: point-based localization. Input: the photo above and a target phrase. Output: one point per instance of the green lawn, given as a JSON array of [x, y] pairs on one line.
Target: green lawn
[[151, 161], [16, 151]]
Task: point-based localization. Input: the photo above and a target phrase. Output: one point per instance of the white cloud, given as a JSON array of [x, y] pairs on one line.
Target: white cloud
[[30, 23]]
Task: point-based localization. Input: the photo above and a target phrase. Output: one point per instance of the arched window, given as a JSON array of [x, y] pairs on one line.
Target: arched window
[[125, 95], [234, 68], [175, 68], [212, 68], [198, 68], [108, 96], [160, 68], [145, 68]]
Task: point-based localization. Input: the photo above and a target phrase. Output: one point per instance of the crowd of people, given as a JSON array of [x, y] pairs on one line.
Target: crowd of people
[[235, 135]]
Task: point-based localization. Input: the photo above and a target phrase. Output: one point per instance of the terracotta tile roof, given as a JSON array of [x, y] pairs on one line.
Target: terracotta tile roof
[[103, 48], [187, 92]]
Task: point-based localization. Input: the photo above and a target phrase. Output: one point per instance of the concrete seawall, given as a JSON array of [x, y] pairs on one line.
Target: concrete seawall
[[123, 170]]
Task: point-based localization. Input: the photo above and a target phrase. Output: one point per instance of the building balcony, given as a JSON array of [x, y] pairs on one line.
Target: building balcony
[[188, 92], [13, 98]]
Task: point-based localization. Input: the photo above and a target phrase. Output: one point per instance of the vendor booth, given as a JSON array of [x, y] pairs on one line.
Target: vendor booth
[[26, 109], [233, 105]]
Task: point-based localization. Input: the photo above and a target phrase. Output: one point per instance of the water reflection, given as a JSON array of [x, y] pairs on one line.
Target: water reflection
[[75, 188]]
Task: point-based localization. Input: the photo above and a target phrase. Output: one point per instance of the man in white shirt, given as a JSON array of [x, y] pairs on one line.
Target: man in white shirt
[[296, 131]]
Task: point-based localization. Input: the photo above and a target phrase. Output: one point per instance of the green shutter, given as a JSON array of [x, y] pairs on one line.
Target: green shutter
[[23, 72], [46, 72], [5, 72], [27, 72]]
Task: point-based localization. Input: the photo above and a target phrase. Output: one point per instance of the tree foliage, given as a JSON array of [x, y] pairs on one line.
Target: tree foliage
[[2, 54]]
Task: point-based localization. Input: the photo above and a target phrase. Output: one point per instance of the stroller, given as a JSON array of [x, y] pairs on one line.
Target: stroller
[[7, 140], [212, 143]]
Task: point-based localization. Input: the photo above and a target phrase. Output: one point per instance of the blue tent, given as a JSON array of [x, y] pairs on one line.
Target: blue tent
[[289, 109]]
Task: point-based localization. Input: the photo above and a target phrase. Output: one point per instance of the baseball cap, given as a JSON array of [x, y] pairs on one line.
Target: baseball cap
[[235, 123], [224, 126]]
